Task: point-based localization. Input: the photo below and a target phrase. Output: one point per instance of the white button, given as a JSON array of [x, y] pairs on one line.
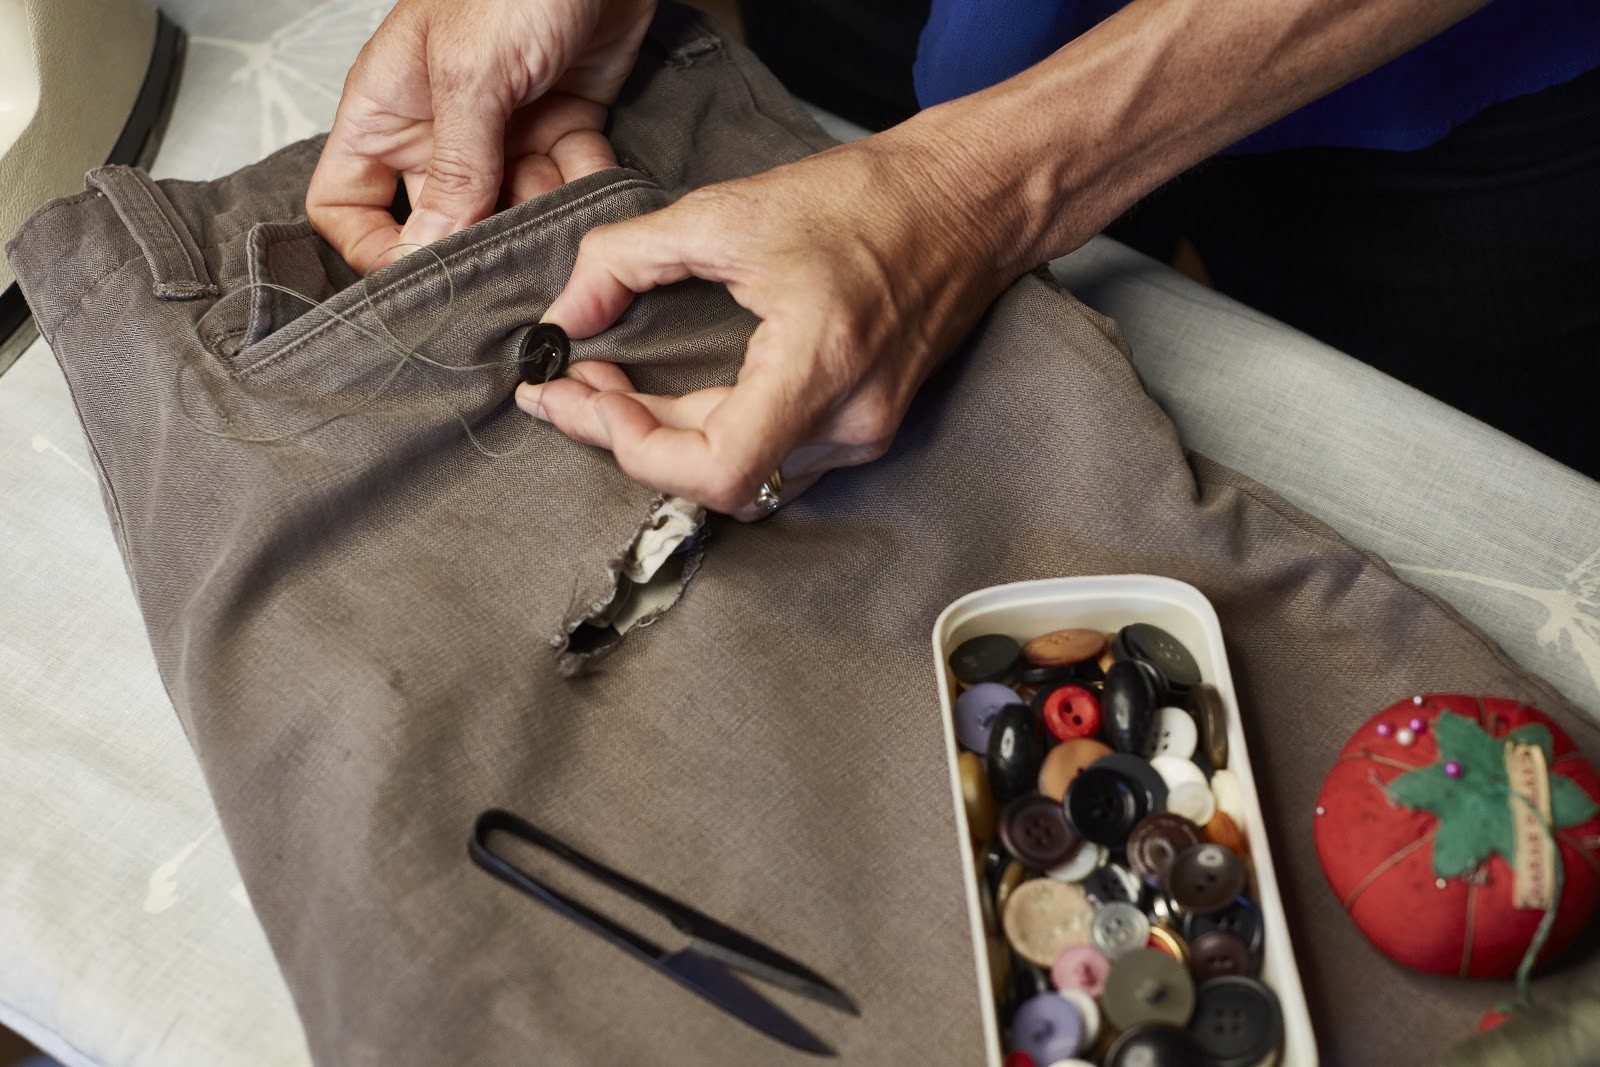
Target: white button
[[1174, 734], [1119, 928], [1082, 864], [1089, 1012], [1194, 801], [1230, 796], [1176, 771]]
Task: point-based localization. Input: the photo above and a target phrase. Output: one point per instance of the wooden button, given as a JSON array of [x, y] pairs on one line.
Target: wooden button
[[975, 797], [1062, 648], [1044, 916], [1212, 717], [1224, 831], [1063, 763]]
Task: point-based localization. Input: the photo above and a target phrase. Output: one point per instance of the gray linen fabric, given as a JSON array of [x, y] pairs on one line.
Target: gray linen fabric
[[355, 625]]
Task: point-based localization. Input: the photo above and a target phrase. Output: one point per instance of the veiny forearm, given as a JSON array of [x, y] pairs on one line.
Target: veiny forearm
[[1047, 158]]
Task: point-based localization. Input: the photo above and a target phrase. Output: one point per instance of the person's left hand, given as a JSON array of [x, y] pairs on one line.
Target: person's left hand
[[867, 264]]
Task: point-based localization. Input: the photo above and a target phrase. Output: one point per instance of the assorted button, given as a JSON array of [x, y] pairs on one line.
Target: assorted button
[[1156, 843], [1034, 829], [1109, 840], [985, 658], [1237, 1021], [1147, 986], [1119, 928], [976, 710]]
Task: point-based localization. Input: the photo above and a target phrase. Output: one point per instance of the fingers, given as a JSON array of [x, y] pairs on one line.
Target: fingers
[[348, 201], [619, 261], [464, 170]]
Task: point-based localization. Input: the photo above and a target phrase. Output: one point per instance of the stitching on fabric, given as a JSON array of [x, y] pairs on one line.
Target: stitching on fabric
[[146, 187], [407, 282]]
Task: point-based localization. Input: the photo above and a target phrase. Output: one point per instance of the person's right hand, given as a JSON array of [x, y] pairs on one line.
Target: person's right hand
[[472, 103]]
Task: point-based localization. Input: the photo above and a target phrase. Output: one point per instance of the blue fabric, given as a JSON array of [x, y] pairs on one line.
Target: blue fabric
[[1506, 49]]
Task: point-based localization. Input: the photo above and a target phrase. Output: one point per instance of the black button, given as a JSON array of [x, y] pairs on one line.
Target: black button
[[1103, 805], [1016, 748], [543, 353], [1129, 706], [1241, 917], [1034, 829], [986, 658], [1043, 676], [1237, 1021], [1155, 1045], [1113, 882], [1151, 787], [1175, 663]]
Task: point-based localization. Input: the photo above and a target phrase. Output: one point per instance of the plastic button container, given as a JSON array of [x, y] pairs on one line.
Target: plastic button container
[[1106, 603]]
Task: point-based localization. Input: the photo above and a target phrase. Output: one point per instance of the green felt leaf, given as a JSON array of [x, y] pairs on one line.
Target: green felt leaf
[[1535, 734], [1482, 758], [1569, 804], [1425, 789], [1477, 827]]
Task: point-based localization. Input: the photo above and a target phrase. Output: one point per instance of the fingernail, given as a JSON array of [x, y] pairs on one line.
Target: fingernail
[[528, 400], [425, 226]]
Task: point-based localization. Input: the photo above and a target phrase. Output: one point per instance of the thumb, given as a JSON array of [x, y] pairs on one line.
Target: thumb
[[464, 172]]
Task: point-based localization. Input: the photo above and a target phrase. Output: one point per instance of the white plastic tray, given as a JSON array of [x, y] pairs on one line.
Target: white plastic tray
[[1027, 609]]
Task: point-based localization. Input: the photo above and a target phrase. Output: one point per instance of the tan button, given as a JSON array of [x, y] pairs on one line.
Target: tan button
[[1062, 764], [981, 814], [1107, 657], [1044, 916], [1062, 648], [1224, 831]]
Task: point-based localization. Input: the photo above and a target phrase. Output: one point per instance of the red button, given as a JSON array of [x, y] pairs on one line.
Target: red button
[[1072, 711], [1019, 1059]]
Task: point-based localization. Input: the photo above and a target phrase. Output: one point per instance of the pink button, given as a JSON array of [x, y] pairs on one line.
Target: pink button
[[1081, 966]]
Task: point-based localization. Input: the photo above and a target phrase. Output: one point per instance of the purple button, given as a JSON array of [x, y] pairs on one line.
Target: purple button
[[1048, 1028], [975, 712]]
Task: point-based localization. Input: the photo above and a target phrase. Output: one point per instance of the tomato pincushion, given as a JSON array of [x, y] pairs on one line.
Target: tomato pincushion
[[1435, 828]]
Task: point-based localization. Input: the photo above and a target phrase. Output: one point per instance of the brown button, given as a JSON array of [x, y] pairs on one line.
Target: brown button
[[999, 965], [1014, 875], [1206, 878], [975, 797], [1156, 841], [1062, 648], [1219, 953], [1044, 916], [1225, 832], [1212, 717], [1147, 986], [1062, 764]]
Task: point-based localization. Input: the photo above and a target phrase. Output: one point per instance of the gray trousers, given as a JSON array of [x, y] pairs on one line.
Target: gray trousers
[[357, 625]]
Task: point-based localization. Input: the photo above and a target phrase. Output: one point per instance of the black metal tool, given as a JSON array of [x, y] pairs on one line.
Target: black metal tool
[[705, 966]]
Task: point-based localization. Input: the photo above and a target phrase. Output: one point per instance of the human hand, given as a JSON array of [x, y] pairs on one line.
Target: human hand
[[867, 264], [470, 102]]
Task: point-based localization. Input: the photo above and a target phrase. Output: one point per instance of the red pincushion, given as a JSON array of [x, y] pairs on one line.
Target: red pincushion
[[1378, 856]]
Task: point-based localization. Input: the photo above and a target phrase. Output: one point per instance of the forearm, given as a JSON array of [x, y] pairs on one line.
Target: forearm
[[1050, 156]]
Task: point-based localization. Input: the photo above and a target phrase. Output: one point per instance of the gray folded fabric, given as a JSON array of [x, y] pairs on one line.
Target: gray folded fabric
[[365, 628]]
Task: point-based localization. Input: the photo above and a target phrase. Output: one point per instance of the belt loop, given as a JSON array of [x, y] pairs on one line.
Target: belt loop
[[175, 261]]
